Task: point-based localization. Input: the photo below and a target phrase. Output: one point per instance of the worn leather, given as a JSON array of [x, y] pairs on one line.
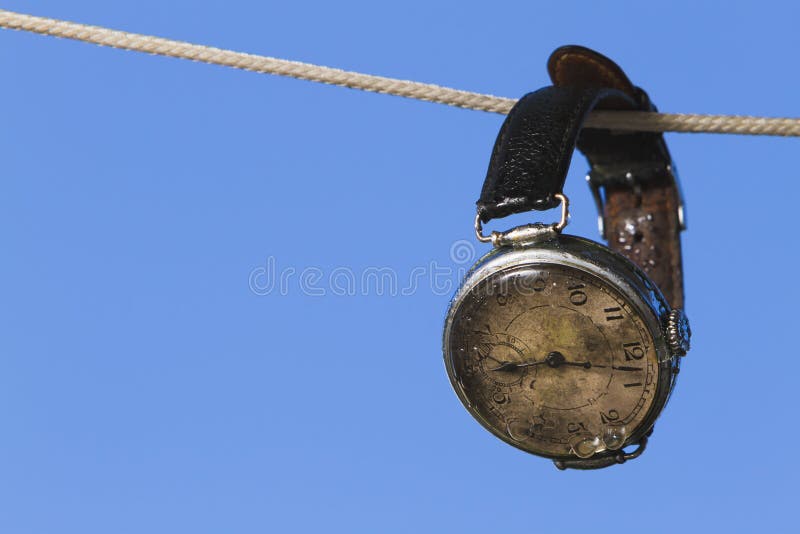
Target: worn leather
[[635, 169], [644, 227], [533, 150], [613, 156]]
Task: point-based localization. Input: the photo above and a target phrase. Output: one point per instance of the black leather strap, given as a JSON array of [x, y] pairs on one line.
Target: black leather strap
[[631, 173], [534, 147]]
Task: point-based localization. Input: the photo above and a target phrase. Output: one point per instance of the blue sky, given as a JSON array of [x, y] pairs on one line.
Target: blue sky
[[147, 385]]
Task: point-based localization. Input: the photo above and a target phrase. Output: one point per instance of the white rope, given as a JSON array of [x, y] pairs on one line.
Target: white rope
[[618, 120], [642, 121]]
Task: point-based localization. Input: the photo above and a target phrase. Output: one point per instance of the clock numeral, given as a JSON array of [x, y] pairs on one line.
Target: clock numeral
[[612, 415], [612, 314], [633, 351], [576, 296], [574, 428]]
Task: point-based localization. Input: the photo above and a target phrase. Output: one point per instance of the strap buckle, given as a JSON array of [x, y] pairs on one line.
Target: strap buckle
[[528, 232]]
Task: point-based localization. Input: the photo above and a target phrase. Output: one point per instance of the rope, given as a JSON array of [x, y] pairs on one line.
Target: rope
[[642, 121], [617, 120]]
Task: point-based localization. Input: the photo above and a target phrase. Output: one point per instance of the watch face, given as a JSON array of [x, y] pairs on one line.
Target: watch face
[[553, 360]]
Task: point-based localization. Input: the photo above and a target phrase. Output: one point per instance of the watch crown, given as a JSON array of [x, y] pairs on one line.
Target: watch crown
[[678, 332]]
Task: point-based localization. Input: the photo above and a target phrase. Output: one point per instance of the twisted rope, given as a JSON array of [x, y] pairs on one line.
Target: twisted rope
[[643, 121], [617, 120]]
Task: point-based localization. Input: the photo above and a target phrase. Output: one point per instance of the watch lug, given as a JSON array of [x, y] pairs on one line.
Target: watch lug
[[604, 459], [594, 187]]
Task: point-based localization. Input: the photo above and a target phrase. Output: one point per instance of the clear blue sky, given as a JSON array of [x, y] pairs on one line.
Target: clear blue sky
[[147, 385]]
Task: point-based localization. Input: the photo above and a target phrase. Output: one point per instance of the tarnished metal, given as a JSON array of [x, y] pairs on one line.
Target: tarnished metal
[[559, 348], [479, 230], [527, 233], [522, 235], [678, 332], [598, 203]]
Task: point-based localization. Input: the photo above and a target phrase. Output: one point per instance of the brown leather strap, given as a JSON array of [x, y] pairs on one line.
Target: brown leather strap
[[644, 227], [642, 195], [578, 66]]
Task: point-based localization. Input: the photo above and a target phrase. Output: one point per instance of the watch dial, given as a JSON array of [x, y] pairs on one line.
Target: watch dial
[[553, 360]]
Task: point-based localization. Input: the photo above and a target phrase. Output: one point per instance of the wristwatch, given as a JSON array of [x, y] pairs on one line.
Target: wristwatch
[[558, 345]]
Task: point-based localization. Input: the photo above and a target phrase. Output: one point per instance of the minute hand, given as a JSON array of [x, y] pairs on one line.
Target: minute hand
[[619, 367], [589, 365]]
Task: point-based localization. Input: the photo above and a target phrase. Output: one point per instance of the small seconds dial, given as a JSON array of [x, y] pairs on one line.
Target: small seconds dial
[[553, 360]]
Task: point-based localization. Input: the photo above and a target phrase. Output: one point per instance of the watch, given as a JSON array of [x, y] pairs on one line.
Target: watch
[[559, 345]]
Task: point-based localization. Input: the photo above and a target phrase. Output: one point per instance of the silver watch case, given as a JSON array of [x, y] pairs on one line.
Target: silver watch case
[[598, 260]]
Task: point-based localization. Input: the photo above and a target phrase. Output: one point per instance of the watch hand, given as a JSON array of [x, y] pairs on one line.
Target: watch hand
[[511, 366], [585, 365], [556, 359], [490, 357], [617, 367]]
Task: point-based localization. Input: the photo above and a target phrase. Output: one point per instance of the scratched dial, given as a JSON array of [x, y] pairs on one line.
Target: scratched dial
[[553, 360]]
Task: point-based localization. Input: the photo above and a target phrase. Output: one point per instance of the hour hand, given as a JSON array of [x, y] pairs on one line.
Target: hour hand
[[505, 366], [513, 366]]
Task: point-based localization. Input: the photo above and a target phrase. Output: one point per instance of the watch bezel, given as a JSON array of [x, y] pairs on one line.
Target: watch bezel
[[614, 269]]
